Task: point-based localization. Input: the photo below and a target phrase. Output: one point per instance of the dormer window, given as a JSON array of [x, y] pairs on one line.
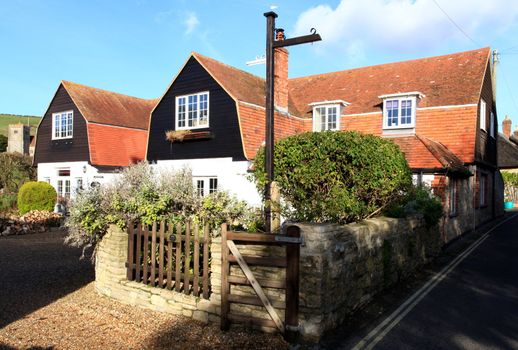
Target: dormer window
[[326, 114], [399, 110], [192, 111], [62, 125]]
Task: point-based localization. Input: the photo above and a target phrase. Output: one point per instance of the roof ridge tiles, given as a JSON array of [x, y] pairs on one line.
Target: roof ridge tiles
[[389, 63]]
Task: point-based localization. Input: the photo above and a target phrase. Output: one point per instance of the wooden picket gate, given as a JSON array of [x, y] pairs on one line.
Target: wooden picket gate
[[170, 256], [231, 255]]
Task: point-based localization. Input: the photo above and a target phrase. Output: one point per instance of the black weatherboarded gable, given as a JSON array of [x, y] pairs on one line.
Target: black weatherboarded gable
[[66, 150], [223, 121]]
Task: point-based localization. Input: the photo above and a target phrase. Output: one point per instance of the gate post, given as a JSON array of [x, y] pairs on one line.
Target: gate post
[[292, 285], [225, 287]]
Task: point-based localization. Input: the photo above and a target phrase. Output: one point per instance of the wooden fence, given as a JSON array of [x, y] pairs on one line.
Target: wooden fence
[[171, 256], [231, 255]]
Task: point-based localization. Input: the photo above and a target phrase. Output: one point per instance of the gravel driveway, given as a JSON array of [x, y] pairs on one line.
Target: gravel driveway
[[48, 301]]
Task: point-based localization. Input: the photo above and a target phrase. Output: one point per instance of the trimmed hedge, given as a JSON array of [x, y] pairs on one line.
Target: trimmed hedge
[[336, 176], [36, 196]]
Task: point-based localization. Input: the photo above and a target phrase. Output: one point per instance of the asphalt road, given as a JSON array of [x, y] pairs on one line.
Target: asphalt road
[[474, 307], [37, 269]]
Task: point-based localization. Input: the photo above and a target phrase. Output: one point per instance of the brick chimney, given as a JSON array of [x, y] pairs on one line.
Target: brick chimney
[[281, 74], [506, 126]]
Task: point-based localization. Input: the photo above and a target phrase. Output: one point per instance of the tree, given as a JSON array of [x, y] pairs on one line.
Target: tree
[[3, 143]]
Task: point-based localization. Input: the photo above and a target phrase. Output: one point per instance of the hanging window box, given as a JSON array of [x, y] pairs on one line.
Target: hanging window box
[[187, 135]]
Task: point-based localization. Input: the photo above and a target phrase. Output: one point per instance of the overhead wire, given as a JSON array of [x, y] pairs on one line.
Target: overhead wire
[[455, 24], [507, 51]]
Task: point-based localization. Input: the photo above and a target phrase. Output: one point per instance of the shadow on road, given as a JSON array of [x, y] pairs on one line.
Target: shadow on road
[[36, 270]]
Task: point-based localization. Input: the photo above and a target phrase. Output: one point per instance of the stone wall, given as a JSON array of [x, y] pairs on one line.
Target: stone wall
[[344, 266], [110, 280]]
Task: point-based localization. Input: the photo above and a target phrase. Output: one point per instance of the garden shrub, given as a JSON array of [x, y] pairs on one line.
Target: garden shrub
[[144, 195], [36, 196], [3, 143], [7, 201], [510, 186], [16, 170], [418, 200], [335, 176]]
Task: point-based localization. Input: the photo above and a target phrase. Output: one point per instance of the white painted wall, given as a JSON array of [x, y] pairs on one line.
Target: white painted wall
[[232, 175], [427, 179], [48, 172]]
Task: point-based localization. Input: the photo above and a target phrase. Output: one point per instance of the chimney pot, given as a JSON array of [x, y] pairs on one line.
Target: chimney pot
[[506, 126], [279, 34]]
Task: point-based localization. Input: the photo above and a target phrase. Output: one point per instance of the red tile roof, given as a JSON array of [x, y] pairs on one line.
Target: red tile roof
[[106, 107], [117, 124], [423, 153], [116, 146], [454, 79], [241, 85]]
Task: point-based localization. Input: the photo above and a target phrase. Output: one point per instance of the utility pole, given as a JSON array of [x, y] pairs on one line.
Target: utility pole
[[271, 44]]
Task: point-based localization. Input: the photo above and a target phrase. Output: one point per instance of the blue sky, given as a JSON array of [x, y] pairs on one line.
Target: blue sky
[[136, 47]]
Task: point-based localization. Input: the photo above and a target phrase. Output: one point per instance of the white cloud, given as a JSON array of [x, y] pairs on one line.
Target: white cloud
[[405, 25], [191, 23]]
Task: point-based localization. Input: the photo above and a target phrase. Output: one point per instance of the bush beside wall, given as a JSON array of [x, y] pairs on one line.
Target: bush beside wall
[[36, 196]]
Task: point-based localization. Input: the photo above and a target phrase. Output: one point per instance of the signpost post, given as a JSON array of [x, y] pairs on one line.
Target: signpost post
[[271, 44]]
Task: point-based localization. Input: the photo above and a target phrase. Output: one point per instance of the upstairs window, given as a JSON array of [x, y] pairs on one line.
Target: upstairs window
[[399, 110], [325, 118], [482, 114], [192, 111], [62, 125], [326, 115]]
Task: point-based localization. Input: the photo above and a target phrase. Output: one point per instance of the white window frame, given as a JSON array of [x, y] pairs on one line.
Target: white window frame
[[207, 182], [453, 197], [69, 133], [400, 99], [492, 125], [63, 182], [63, 187], [482, 114], [317, 124], [79, 184], [186, 127], [327, 104]]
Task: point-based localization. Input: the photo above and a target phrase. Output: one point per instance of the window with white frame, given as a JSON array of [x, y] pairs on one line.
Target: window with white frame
[[399, 110], [326, 114], [326, 118], [453, 197], [63, 183], [62, 125], [192, 111], [79, 184], [63, 188], [482, 114], [492, 124], [206, 185]]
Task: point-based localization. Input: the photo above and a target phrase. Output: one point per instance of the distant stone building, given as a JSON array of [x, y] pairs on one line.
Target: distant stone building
[[18, 138]]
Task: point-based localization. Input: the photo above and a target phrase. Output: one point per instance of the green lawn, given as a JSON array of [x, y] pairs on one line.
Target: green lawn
[[6, 119]]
